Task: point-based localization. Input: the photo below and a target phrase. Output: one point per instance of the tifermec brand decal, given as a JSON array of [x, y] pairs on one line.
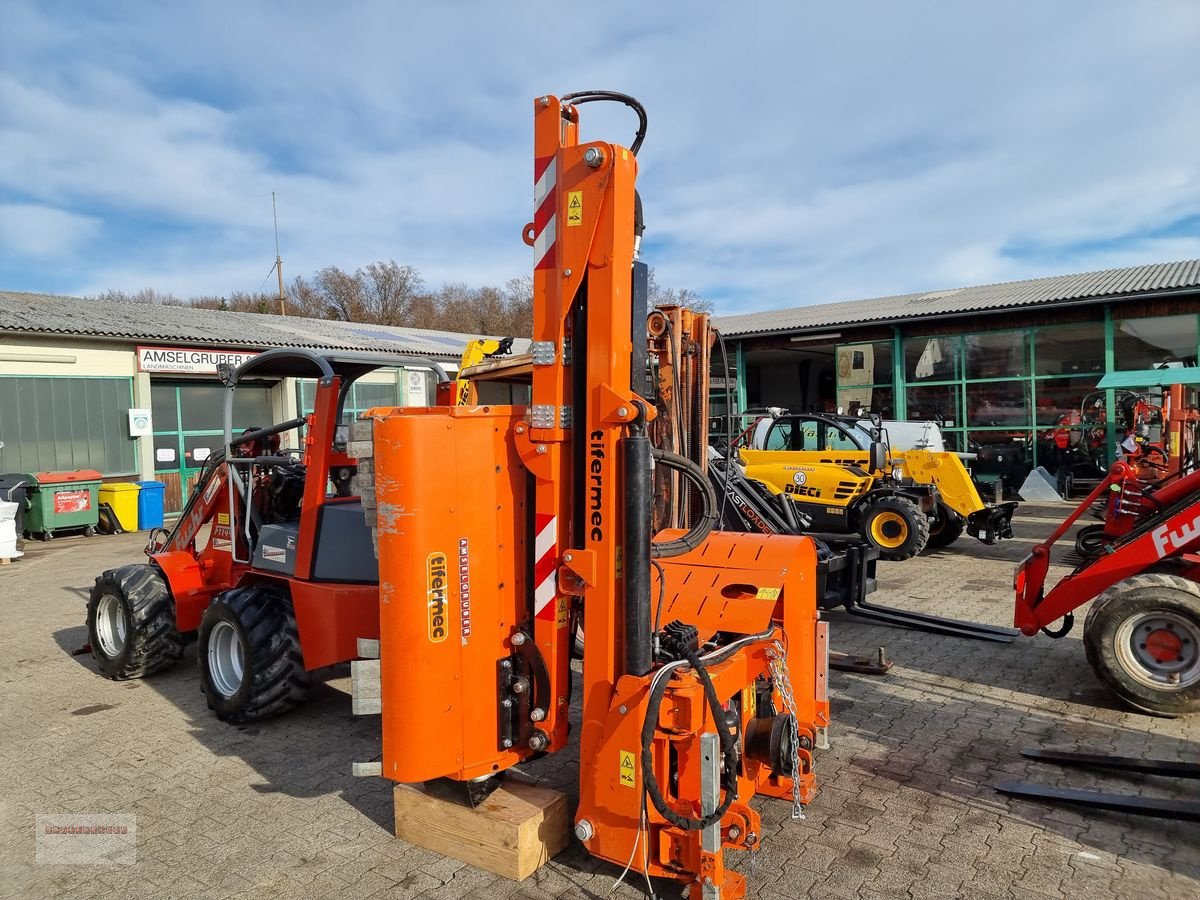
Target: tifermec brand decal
[[596, 486], [435, 570]]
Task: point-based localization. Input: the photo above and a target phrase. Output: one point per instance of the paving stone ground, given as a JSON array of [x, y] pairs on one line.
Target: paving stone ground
[[905, 806]]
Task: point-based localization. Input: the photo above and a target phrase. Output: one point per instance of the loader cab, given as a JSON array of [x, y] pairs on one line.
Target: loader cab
[[821, 433], [296, 513]]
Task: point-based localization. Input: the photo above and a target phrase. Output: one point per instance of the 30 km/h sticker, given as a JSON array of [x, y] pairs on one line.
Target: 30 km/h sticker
[[574, 208], [627, 777]]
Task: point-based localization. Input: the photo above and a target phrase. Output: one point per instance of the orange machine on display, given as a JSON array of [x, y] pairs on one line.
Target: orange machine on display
[[500, 527]]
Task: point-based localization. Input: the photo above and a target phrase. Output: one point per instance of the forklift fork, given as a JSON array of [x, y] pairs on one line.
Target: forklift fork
[[1160, 808]]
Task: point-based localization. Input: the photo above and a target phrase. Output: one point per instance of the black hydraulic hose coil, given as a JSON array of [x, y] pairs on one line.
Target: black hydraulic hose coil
[[728, 748], [705, 522]]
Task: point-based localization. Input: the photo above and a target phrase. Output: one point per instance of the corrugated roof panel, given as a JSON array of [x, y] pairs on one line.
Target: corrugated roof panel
[[1053, 289], [49, 314]]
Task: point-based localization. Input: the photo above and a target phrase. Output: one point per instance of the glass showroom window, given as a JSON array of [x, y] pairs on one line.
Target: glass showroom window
[[1069, 349], [931, 359], [1001, 454], [935, 403], [1153, 343], [996, 354], [864, 378]]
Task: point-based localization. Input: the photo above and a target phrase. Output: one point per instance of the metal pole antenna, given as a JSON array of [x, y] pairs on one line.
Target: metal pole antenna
[[278, 260]]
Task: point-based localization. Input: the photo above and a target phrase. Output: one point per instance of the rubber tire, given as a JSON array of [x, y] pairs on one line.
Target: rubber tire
[[274, 679], [918, 526], [1090, 541], [152, 642], [1141, 593], [946, 528]]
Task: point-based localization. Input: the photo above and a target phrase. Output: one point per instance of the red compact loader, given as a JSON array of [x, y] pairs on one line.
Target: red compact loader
[[270, 565], [1142, 632]]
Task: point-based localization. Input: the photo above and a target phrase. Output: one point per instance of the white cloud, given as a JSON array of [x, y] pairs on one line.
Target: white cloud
[[43, 232], [797, 153]]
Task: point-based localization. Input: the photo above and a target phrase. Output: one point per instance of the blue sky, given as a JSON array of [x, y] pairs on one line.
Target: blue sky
[[797, 152]]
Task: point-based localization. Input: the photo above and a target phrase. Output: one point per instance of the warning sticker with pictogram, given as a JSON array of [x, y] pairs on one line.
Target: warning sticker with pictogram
[[627, 776], [574, 208]]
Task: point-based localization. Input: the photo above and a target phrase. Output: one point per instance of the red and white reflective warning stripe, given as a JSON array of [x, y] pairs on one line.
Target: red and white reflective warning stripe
[[545, 567], [545, 209]]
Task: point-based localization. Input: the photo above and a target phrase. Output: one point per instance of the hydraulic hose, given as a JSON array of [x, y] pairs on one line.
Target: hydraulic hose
[[579, 97], [707, 520], [728, 747]]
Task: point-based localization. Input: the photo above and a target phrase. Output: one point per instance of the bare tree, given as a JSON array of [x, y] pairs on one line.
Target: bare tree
[[686, 297], [145, 295], [387, 293]]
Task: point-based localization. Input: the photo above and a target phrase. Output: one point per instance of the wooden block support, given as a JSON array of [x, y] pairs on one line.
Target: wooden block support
[[515, 830], [366, 696]]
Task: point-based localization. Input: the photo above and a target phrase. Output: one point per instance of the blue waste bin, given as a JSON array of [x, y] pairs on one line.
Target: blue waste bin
[[150, 504]]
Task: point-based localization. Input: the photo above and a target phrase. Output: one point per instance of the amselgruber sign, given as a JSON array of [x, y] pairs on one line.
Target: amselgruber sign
[[188, 361]]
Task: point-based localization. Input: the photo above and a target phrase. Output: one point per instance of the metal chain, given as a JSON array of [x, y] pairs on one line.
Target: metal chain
[[783, 682]]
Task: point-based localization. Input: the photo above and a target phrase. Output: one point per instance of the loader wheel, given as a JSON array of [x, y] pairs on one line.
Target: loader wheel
[[249, 655], [131, 623], [946, 528], [1142, 638], [896, 526]]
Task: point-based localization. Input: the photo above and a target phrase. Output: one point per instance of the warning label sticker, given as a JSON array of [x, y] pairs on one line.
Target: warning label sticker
[[562, 613], [768, 593], [627, 777], [574, 208]]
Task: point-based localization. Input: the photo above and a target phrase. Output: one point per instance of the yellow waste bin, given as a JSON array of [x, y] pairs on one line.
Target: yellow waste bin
[[123, 498]]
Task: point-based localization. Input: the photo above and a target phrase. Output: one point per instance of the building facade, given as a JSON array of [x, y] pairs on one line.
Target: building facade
[[130, 390], [1009, 371]]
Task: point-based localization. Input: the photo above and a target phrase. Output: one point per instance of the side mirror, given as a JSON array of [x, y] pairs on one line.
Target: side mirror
[[877, 460]]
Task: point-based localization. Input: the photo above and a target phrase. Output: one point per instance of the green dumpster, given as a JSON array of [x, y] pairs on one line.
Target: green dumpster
[[63, 501]]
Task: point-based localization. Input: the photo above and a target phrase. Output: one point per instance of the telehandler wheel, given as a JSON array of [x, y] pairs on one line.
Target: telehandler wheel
[[1142, 638], [896, 526], [131, 623], [1090, 541], [946, 528], [249, 655]]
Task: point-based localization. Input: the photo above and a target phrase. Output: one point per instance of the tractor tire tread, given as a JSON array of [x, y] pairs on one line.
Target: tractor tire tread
[[1100, 654], [950, 531], [919, 526], [153, 642], [274, 663]]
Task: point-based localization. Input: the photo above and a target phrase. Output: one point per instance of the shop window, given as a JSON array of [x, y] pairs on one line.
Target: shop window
[[164, 411], [1065, 401], [1070, 349], [996, 354], [998, 403], [936, 403], [931, 359], [369, 394], [56, 424], [1001, 454], [1154, 343], [854, 401], [864, 363]]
